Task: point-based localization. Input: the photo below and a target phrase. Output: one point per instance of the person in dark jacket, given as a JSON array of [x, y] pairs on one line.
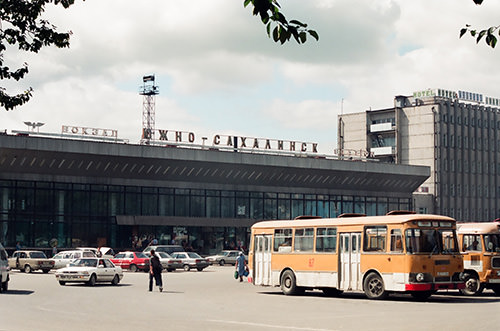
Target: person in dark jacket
[[155, 269]]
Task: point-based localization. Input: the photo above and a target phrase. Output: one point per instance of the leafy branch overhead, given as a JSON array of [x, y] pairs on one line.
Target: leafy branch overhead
[[269, 12], [488, 34], [21, 26]]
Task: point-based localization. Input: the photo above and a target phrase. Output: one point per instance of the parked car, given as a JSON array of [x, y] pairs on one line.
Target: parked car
[[29, 261], [169, 249], [132, 260], [62, 259], [191, 260], [4, 270], [90, 271], [168, 262], [106, 252], [225, 257]]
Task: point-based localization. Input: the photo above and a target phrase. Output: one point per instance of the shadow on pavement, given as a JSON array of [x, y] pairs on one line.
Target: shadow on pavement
[[17, 292]]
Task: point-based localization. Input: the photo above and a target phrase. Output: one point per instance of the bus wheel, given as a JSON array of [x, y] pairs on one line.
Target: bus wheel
[[374, 287], [472, 285], [331, 292], [288, 283], [422, 295]]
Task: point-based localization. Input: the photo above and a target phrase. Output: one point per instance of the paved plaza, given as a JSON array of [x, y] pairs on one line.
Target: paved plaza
[[214, 300]]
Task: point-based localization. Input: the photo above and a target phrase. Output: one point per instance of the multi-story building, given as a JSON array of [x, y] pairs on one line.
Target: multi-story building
[[454, 133], [77, 192]]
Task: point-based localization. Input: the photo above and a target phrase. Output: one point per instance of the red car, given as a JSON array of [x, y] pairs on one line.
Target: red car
[[132, 260]]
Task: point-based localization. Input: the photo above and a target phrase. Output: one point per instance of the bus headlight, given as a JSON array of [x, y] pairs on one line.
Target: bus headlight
[[420, 277]]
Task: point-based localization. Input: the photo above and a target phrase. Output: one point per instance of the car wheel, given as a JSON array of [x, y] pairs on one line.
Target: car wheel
[[92, 280], [472, 285], [199, 269], [62, 283], [374, 287], [133, 268], [187, 267], [289, 284], [46, 271], [170, 270], [222, 262], [115, 280], [27, 268]]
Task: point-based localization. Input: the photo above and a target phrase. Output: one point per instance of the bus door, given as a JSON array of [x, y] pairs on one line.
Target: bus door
[[262, 254], [350, 272]]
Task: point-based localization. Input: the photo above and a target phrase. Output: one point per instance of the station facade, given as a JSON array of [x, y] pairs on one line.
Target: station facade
[[77, 192]]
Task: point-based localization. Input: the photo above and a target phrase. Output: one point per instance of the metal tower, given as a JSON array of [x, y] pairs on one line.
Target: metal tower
[[149, 90]]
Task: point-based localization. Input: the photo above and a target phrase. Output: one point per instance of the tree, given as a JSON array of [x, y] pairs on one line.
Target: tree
[[269, 12], [22, 26], [490, 38]]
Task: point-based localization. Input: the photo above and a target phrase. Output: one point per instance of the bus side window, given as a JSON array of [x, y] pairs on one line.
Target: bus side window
[[282, 240], [472, 242], [396, 241], [375, 239]]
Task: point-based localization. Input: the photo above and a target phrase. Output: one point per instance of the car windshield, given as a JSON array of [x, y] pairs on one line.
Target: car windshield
[[193, 255], [141, 255], [224, 253], [84, 263], [431, 241], [492, 242], [38, 255]]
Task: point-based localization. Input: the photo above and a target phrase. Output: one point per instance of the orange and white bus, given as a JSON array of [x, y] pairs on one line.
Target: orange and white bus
[[480, 244], [399, 252]]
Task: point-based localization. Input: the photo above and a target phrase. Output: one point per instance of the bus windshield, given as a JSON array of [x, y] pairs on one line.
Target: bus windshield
[[431, 241], [492, 242]]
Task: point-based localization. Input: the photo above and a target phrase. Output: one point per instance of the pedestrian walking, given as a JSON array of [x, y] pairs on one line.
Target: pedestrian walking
[[155, 269], [241, 265]]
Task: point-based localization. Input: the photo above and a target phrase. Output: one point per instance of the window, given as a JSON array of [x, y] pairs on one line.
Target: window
[[282, 240], [472, 242], [304, 240], [396, 241], [375, 238], [326, 240]]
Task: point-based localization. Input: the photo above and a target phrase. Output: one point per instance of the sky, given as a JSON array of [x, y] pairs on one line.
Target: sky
[[219, 73]]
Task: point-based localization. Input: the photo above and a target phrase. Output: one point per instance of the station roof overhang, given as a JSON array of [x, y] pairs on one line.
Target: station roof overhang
[[63, 159]]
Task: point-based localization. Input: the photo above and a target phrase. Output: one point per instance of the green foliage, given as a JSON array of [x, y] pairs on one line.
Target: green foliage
[[490, 40], [270, 15], [21, 26]]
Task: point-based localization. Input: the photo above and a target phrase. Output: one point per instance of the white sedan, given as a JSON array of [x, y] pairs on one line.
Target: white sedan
[[90, 271]]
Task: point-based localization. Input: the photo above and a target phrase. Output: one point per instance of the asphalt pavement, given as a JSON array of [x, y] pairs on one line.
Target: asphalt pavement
[[214, 300]]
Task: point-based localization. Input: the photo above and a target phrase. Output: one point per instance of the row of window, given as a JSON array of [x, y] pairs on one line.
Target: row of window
[[103, 201], [470, 142], [325, 240], [471, 214], [470, 121], [479, 191], [460, 165]]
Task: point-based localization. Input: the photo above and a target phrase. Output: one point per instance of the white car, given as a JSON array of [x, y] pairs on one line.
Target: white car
[[62, 259], [90, 271], [4, 270], [106, 252], [191, 260]]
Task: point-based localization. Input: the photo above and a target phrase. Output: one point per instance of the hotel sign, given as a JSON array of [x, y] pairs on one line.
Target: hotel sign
[[237, 142], [86, 131]]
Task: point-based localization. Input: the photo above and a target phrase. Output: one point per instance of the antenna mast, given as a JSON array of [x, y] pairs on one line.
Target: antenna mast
[[149, 90]]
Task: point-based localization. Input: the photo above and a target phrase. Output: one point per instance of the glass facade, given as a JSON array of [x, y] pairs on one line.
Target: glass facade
[[39, 214]]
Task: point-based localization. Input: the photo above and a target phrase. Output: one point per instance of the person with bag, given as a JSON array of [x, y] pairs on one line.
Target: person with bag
[[155, 269], [241, 266]]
